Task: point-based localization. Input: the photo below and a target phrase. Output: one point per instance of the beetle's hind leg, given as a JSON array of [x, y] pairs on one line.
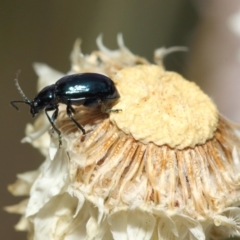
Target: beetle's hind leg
[[71, 110], [52, 119]]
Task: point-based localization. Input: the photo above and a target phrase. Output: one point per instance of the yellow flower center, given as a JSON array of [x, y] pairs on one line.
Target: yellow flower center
[[162, 107]]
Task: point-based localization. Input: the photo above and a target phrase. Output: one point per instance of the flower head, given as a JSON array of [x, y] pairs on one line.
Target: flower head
[[165, 167]]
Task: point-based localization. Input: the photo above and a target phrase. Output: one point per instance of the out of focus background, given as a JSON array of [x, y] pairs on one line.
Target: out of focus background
[[44, 31]]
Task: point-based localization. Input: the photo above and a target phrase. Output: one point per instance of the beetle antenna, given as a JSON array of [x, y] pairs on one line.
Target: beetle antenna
[[19, 88], [13, 103]]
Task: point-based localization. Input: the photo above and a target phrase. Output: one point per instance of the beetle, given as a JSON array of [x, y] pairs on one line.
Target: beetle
[[87, 89]]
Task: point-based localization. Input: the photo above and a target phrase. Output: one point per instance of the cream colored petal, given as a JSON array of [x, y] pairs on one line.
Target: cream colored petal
[[165, 225], [192, 227], [19, 208], [78, 60], [227, 224], [22, 225], [22, 186], [37, 134], [54, 221], [161, 53], [53, 181], [132, 224], [46, 74], [105, 50]]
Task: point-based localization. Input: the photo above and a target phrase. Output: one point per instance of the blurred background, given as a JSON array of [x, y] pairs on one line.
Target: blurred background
[[44, 31]]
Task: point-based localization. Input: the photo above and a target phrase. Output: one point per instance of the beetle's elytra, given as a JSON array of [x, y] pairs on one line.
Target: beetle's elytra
[[87, 89]]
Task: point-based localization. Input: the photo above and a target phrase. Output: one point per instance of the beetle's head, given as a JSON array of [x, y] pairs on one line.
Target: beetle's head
[[43, 99], [34, 108]]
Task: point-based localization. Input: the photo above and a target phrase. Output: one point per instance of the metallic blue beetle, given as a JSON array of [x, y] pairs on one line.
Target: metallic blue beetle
[[87, 89]]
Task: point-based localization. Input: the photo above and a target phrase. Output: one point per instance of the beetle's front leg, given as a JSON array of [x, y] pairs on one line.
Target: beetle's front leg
[[71, 110], [52, 119], [104, 109]]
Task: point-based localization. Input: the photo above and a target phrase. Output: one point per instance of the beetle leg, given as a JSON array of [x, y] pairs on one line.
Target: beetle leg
[[52, 119], [112, 110], [71, 110], [108, 110]]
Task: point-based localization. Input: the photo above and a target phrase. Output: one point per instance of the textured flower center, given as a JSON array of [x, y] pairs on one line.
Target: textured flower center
[[162, 107]]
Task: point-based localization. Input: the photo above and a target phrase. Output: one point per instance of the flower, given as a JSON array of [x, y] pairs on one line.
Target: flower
[[165, 167]]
